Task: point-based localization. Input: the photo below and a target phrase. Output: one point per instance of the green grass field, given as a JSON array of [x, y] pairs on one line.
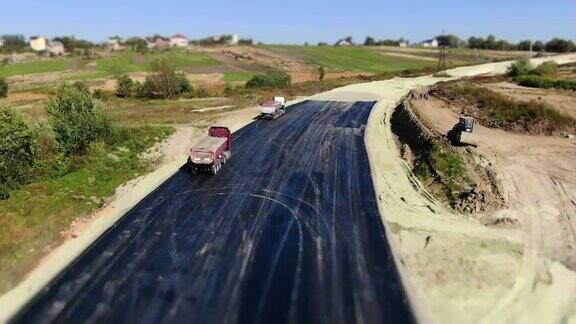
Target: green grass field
[[357, 59], [132, 62], [237, 76], [121, 63], [33, 67]]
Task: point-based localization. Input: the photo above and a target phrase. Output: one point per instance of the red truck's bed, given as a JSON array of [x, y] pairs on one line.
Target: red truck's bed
[[212, 144]]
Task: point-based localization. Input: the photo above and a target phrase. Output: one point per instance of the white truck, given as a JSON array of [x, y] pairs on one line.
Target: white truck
[[273, 109]]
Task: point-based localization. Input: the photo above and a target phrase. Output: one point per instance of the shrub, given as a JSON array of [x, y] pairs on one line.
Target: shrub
[[201, 92], [520, 67], [548, 67], [17, 149], [183, 83], [228, 89], [103, 95], [271, 79], [164, 83], [321, 72], [75, 119], [124, 86], [3, 88], [534, 81], [82, 87]]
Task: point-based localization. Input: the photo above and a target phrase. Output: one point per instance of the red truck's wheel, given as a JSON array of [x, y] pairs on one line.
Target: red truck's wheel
[[189, 166]]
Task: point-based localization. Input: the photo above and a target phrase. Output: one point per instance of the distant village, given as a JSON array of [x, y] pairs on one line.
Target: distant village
[[60, 45]]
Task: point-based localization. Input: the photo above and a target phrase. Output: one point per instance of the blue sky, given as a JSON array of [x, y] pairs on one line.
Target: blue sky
[[291, 21]]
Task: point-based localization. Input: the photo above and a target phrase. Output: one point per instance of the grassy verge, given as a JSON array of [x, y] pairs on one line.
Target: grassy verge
[[495, 110], [174, 111], [32, 219], [354, 58], [535, 81], [52, 65], [441, 164]]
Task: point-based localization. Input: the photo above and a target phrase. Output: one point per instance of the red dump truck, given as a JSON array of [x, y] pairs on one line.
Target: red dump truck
[[212, 152]]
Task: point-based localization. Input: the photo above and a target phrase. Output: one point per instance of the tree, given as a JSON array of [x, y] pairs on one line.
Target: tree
[[524, 45], [3, 88], [13, 43], [490, 42], [246, 41], [69, 42], [448, 40], [538, 46], [369, 41], [559, 45], [503, 45], [321, 72], [17, 148], [75, 118], [136, 44], [476, 42]]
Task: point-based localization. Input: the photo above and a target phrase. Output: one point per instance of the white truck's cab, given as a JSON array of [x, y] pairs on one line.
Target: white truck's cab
[[273, 109]]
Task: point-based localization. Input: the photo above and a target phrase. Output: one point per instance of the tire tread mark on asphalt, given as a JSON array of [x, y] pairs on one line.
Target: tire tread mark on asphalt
[[225, 249]]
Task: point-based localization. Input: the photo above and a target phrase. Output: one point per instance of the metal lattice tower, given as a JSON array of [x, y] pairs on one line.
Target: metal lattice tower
[[441, 59]]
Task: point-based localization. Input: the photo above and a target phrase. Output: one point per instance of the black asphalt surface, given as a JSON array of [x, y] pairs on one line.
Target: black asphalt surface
[[288, 232]]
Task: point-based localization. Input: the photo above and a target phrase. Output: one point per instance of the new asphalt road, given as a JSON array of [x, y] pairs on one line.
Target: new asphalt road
[[287, 232]]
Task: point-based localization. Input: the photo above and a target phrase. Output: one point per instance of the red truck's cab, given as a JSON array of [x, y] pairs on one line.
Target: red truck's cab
[[212, 151]]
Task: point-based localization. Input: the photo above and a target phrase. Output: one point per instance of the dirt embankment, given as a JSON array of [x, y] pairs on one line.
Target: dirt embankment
[[533, 175], [563, 101], [458, 176]]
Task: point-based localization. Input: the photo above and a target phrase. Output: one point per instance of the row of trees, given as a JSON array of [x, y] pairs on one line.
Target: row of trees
[[370, 41], [556, 45]]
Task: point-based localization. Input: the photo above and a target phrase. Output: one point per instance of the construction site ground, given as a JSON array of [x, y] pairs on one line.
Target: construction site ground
[[453, 267]]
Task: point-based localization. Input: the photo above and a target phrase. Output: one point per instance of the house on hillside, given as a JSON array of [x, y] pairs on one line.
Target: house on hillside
[[113, 45], [158, 43], [429, 43], [1, 42], [55, 48], [234, 40], [343, 42], [404, 44], [178, 40], [38, 43]]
